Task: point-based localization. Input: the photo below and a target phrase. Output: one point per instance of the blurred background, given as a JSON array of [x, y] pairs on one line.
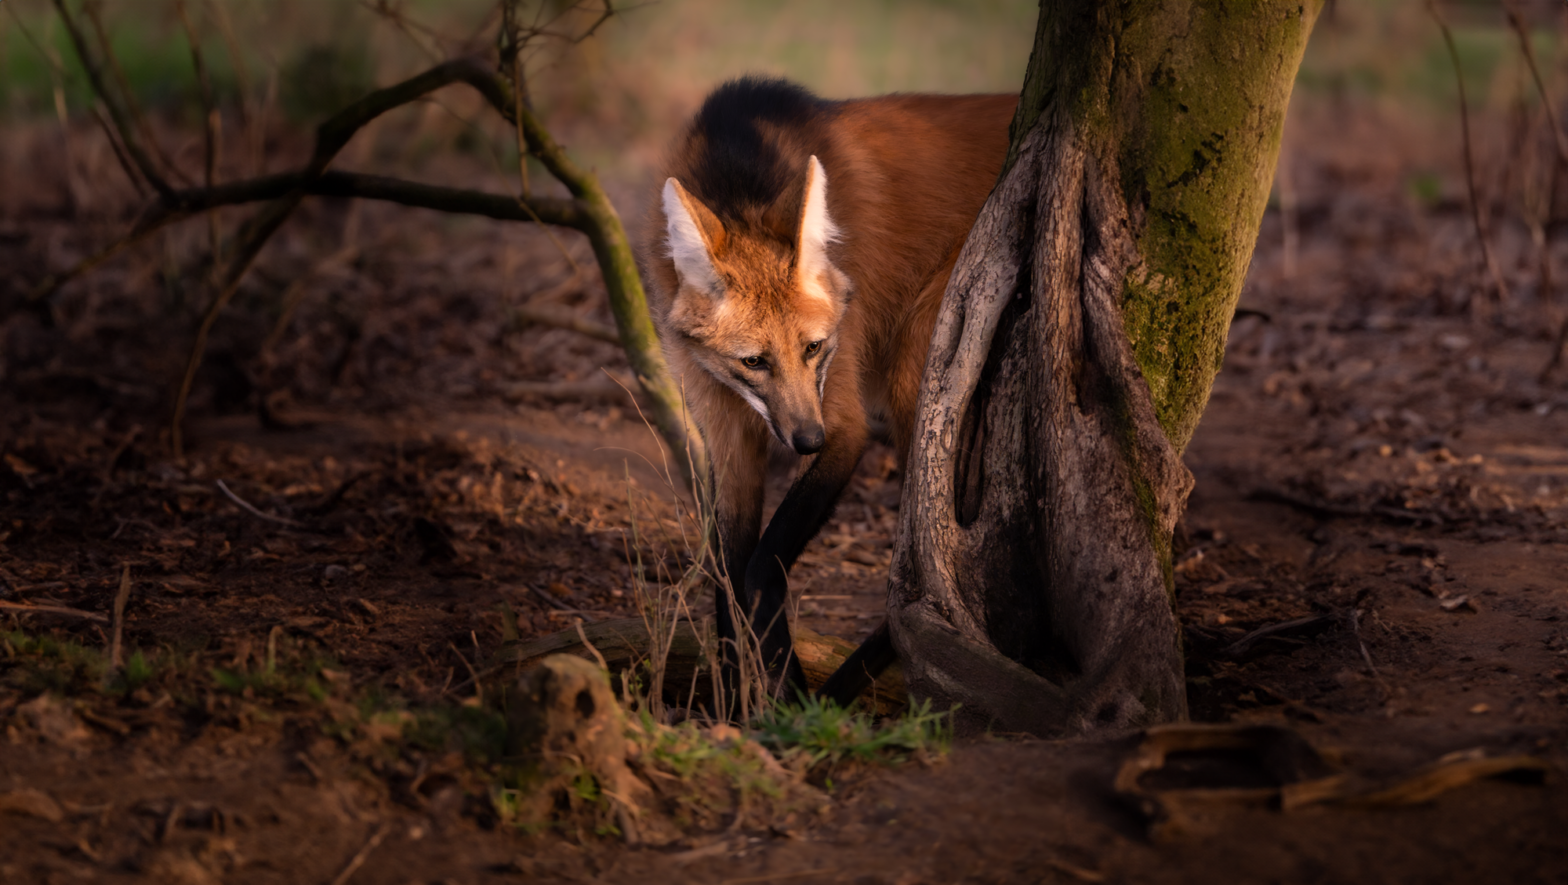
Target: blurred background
[[1372, 154], [466, 470]]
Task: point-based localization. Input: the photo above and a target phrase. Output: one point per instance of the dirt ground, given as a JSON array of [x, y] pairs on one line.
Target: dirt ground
[[1378, 471]]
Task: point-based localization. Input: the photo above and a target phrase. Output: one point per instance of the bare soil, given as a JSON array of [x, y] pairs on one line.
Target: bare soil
[[1373, 455]]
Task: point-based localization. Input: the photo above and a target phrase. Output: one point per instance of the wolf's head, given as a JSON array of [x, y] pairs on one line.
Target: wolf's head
[[760, 314]]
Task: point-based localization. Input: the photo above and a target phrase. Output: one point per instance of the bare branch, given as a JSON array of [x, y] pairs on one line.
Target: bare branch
[[253, 511], [1550, 107], [331, 137], [122, 121], [25, 607], [120, 156], [1476, 306], [213, 131], [92, 8], [253, 123]]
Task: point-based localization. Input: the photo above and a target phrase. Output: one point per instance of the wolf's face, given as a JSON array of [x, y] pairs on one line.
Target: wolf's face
[[760, 315]]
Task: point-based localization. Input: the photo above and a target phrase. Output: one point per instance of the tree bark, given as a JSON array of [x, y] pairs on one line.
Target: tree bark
[[1078, 339]]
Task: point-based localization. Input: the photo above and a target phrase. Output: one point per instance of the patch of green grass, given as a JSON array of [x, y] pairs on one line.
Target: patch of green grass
[[826, 734], [46, 663], [694, 755], [296, 675]]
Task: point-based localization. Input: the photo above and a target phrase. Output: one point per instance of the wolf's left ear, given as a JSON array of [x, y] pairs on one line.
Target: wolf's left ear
[[695, 234], [817, 229]]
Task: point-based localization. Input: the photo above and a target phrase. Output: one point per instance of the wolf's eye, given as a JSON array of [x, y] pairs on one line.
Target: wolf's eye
[[752, 362], [813, 347]]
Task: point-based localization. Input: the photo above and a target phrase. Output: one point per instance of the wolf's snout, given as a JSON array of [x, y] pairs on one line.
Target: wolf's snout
[[808, 440]]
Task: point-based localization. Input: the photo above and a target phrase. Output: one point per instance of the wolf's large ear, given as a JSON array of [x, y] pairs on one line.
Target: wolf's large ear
[[817, 229], [695, 235]]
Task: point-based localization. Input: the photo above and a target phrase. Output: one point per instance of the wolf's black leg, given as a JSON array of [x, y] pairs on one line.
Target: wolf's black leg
[[867, 662]]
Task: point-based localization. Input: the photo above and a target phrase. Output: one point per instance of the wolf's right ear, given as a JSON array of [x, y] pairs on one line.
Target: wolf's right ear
[[695, 234]]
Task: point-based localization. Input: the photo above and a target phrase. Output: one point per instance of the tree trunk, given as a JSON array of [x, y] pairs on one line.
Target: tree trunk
[[1077, 343]]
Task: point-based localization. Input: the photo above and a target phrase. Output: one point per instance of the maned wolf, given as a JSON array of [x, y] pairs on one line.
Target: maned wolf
[[799, 256]]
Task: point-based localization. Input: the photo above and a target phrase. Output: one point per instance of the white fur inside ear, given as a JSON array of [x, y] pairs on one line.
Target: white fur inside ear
[[687, 248], [817, 229]]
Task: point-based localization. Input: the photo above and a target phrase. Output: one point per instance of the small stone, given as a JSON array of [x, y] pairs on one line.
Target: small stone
[[334, 572]]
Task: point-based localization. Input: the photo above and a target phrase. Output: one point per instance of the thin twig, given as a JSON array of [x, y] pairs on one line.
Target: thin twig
[[117, 630], [122, 121], [473, 675], [331, 137], [359, 858], [551, 600], [120, 156], [52, 610], [212, 132], [127, 95], [578, 623], [1366, 656], [1477, 308], [185, 203], [1558, 136], [252, 122], [1560, 139], [249, 508]]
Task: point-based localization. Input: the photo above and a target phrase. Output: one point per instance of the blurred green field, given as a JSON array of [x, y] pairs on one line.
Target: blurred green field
[[618, 95]]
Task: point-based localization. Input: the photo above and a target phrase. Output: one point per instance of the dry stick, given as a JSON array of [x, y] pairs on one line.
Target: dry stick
[[364, 853], [1477, 310], [1560, 139], [622, 281], [479, 692], [52, 610], [331, 137], [519, 96], [213, 130], [249, 508], [182, 204], [1355, 628], [57, 76], [1558, 136], [220, 13], [116, 631], [117, 112], [126, 93], [578, 623], [120, 156]]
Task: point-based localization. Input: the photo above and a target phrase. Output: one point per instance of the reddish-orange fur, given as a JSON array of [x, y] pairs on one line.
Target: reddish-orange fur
[[906, 176]]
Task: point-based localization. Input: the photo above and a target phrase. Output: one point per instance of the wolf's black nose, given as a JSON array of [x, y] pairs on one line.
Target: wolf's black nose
[[808, 441]]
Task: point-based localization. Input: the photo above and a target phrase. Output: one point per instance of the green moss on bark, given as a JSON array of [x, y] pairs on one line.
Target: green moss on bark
[[1198, 93]]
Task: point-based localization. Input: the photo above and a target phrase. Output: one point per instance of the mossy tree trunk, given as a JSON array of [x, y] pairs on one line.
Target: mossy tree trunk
[[1080, 335]]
